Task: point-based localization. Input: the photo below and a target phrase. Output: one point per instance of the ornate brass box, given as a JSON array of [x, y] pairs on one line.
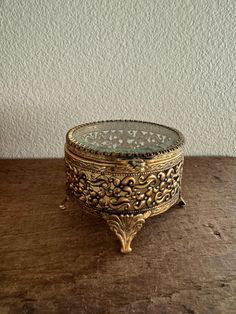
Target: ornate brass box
[[124, 171]]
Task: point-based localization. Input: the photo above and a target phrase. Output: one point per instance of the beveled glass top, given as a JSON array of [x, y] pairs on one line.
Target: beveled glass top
[[125, 137]]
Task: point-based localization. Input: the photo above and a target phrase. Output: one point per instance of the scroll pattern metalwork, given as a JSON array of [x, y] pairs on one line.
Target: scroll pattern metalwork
[[123, 139], [123, 192]]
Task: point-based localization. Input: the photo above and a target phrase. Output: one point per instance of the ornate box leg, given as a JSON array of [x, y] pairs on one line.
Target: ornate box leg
[[181, 201], [124, 171], [64, 203], [126, 227]]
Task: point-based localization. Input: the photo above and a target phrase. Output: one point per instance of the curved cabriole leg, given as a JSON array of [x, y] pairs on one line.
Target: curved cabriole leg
[[181, 202], [126, 227], [64, 203]]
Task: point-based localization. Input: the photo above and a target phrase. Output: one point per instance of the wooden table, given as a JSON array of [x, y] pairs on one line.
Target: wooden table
[[55, 261]]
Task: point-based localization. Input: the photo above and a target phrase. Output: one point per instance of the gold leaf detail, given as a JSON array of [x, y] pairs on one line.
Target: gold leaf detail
[[125, 227]]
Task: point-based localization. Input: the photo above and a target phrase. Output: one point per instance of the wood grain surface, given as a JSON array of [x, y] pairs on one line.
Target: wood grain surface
[[55, 261]]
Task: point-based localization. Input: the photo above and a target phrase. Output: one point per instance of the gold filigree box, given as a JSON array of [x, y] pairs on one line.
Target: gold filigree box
[[124, 171]]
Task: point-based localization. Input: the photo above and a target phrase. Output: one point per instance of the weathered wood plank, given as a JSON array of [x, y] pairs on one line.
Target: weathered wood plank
[[54, 261]]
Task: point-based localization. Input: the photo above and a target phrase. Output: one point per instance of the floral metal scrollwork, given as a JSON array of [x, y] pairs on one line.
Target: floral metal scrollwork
[[123, 192]]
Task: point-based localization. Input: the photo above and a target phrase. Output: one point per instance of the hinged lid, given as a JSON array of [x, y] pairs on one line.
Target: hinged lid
[[124, 138]]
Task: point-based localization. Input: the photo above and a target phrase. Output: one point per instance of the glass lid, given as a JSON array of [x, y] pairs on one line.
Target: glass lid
[[125, 137]]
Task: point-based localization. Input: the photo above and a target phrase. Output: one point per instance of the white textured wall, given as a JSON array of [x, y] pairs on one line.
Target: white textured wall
[[67, 62]]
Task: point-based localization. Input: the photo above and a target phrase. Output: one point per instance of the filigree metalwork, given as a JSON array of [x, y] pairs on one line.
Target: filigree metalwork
[[114, 139], [106, 164], [123, 192], [125, 227], [124, 179], [111, 137]]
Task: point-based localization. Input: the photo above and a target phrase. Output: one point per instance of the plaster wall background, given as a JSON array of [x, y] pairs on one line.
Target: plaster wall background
[[69, 62]]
